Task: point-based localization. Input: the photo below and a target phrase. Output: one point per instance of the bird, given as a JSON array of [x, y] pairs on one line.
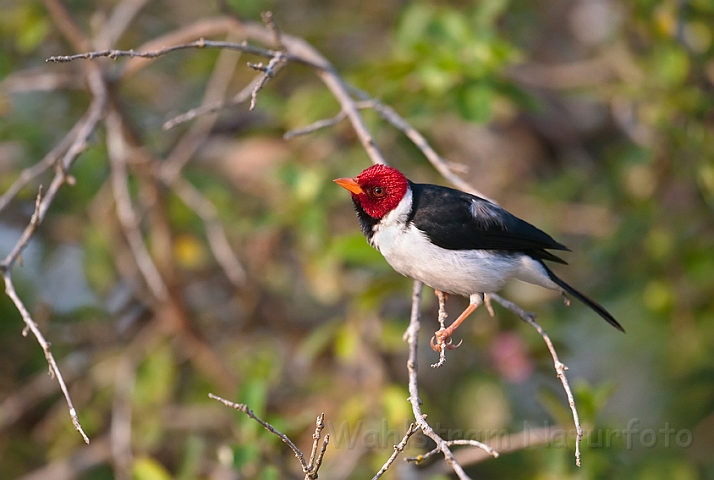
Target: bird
[[454, 242]]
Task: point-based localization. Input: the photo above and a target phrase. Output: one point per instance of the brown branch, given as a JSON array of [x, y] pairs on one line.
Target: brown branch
[[198, 44], [439, 163], [69, 149], [560, 367], [399, 448], [277, 62], [118, 153], [215, 91], [508, 444], [473, 443], [35, 329], [238, 98], [310, 468], [412, 339], [324, 123]]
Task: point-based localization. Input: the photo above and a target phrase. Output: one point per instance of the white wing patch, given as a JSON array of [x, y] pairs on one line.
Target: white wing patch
[[486, 213]]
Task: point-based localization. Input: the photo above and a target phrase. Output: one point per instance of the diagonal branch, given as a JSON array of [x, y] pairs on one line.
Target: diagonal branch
[[35, 329], [398, 448], [118, 153], [309, 468], [560, 367]]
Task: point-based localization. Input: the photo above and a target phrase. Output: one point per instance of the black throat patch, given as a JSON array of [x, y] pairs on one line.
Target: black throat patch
[[366, 222]]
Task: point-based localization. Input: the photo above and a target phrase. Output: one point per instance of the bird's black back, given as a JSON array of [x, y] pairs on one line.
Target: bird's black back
[[456, 220]]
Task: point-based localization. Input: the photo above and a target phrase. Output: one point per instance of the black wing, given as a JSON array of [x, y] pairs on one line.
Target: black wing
[[456, 220]]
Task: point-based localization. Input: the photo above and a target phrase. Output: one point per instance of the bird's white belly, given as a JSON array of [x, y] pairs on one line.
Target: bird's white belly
[[461, 272]]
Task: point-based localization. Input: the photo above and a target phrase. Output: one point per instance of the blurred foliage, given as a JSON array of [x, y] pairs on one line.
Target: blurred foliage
[[593, 119]]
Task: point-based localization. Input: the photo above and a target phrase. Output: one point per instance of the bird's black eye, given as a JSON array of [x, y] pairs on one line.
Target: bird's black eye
[[378, 191]]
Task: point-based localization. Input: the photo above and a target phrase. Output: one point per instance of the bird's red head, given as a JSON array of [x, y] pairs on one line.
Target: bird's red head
[[378, 189]]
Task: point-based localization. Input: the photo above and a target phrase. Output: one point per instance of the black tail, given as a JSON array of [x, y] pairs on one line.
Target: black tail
[[599, 309]]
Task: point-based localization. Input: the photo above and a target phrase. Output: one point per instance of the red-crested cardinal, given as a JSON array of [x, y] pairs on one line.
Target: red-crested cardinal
[[453, 241]]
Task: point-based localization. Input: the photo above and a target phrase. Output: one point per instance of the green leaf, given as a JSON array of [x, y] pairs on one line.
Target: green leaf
[[147, 468], [474, 102]]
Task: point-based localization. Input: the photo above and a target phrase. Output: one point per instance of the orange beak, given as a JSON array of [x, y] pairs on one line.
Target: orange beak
[[349, 184]]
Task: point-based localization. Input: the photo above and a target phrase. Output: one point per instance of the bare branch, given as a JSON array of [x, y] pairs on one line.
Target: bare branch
[[215, 91], [560, 367], [213, 107], [316, 455], [35, 329], [327, 122], [412, 339], [276, 63], [451, 443], [470, 456], [269, 21], [117, 148], [399, 448], [309, 469], [274, 66], [69, 149], [200, 43]]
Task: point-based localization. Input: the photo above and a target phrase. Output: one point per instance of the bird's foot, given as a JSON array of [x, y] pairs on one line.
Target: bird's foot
[[442, 340]]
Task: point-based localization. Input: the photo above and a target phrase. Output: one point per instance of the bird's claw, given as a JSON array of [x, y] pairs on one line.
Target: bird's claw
[[443, 341]]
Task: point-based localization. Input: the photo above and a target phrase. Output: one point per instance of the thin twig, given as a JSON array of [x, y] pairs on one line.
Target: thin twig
[[309, 469], [560, 367], [316, 455], [35, 329], [69, 149], [473, 443], [197, 134], [399, 448], [200, 43], [278, 61], [324, 123], [213, 107], [269, 21], [271, 70], [117, 148]]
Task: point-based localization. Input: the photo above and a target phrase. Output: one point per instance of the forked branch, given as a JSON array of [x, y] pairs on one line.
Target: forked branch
[[309, 467]]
